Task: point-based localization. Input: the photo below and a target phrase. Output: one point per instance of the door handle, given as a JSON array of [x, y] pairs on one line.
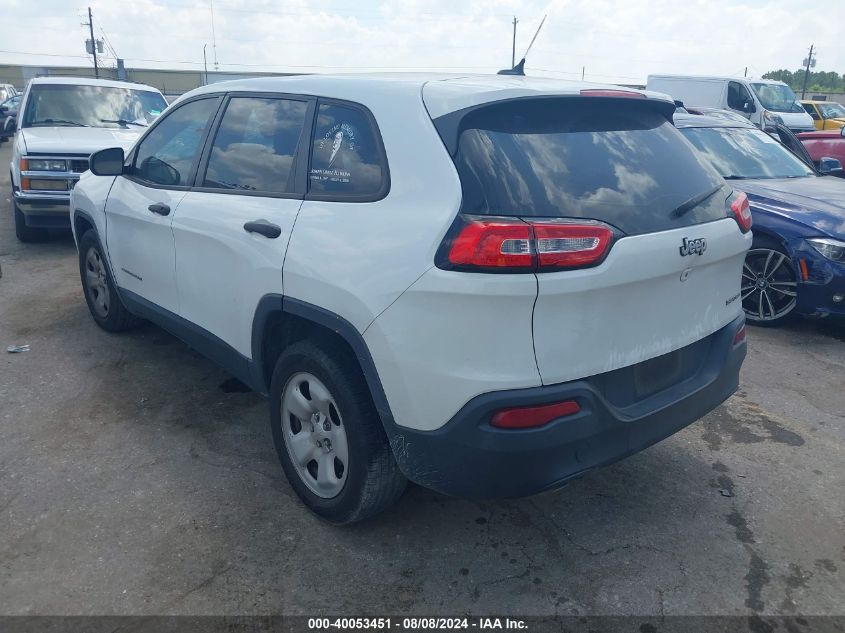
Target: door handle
[[265, 228], [160, 208]]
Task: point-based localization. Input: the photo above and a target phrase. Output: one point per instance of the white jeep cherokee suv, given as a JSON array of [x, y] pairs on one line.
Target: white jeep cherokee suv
[[60, 122], [486, 285]]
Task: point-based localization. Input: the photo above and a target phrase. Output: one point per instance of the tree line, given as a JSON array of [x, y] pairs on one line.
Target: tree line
[[817, 81]]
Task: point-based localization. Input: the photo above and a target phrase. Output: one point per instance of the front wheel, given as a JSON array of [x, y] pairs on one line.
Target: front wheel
[[100, 292], [769, 285], [329, 437]]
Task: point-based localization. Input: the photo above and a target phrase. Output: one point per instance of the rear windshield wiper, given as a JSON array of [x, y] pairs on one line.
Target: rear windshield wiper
[[733, 177], [123, 122], [694, 202], [57, 121]]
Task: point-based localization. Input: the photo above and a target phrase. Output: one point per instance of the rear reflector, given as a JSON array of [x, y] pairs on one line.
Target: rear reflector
[[742, 211], [514, 245], [739, 337], [532, 417], [623, 94]]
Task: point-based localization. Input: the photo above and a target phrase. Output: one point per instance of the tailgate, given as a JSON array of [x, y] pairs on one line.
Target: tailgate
[[643, 301]]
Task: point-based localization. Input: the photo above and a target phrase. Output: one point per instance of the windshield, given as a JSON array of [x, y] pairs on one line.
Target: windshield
[[615, 160], [777, 97], [746, 153], [91, 106], [832, 110]]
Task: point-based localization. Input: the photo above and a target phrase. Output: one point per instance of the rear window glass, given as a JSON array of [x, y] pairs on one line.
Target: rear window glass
[[617, 161]]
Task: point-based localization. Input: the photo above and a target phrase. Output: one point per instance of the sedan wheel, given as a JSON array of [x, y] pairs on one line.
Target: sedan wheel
[[315, 435], [769, 285]]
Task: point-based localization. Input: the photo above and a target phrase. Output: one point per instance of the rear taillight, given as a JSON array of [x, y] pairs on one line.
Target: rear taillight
[[514, 245], [742, 211], [532, 417], [493, 244], [570, 245]]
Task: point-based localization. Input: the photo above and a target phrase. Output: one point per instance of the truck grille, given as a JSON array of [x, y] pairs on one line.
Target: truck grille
[[78, 165]]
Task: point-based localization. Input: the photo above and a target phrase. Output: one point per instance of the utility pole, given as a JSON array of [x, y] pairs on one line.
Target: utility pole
[[204, 65], [513, 49], [583, 70], [746, 72], [810, 62], [93, 43]]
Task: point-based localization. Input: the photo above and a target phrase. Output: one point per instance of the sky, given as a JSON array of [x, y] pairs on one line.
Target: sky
[[608, 40]]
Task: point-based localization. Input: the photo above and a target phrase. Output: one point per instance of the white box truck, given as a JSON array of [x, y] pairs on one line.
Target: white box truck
[[762, 101]]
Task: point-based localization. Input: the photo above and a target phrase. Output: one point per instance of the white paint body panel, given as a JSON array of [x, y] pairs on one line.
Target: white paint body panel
[[634, 305], [140, 242], [450, 337], [355, 259], [221, 270]]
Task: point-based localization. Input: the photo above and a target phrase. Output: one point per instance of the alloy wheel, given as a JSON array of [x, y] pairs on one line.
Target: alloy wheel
[[96, 282], [315, 435], [769, 285]]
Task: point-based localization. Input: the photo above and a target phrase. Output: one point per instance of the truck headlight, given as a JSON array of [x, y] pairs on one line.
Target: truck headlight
[[43, 164], [829, 248]]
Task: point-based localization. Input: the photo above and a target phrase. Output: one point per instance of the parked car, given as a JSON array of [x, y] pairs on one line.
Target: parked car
[[826, 115], [61, 121], [718, 113], [427, 276], [829, 144], [796, 264], [762, 101], [6, 91], [8, 112]]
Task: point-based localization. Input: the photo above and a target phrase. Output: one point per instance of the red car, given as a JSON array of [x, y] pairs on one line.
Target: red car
[[827, 144]]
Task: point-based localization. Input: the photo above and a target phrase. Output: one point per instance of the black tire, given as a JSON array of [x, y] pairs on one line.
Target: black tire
[[115, 318], [26, 233], [373, 480], [787, 273]]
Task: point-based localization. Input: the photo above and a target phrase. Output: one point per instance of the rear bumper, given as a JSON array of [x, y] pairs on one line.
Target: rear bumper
[[468, 457], [44, 211]]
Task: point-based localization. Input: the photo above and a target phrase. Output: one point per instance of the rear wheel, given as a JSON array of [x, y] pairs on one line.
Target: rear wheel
[[329, 437], [26, 233], [769, 284]]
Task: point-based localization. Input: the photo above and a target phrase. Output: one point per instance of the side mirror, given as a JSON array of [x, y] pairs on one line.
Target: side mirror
[[830, 166], [748, 107], [107, 162]]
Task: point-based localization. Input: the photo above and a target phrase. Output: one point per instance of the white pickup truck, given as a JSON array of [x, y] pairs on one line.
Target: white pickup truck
[[60, 122]]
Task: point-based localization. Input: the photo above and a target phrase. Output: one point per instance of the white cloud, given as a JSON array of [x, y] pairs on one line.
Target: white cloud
[[614, 40]]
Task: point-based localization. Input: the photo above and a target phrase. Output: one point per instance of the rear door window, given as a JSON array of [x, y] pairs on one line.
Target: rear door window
[[347, 159], [255, 146], [619, 161]]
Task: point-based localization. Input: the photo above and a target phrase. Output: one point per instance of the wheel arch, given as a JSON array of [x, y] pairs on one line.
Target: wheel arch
[[81, 222], [280, 321]]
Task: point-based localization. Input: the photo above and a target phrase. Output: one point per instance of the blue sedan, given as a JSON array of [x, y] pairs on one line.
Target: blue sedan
[[796, 264]]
